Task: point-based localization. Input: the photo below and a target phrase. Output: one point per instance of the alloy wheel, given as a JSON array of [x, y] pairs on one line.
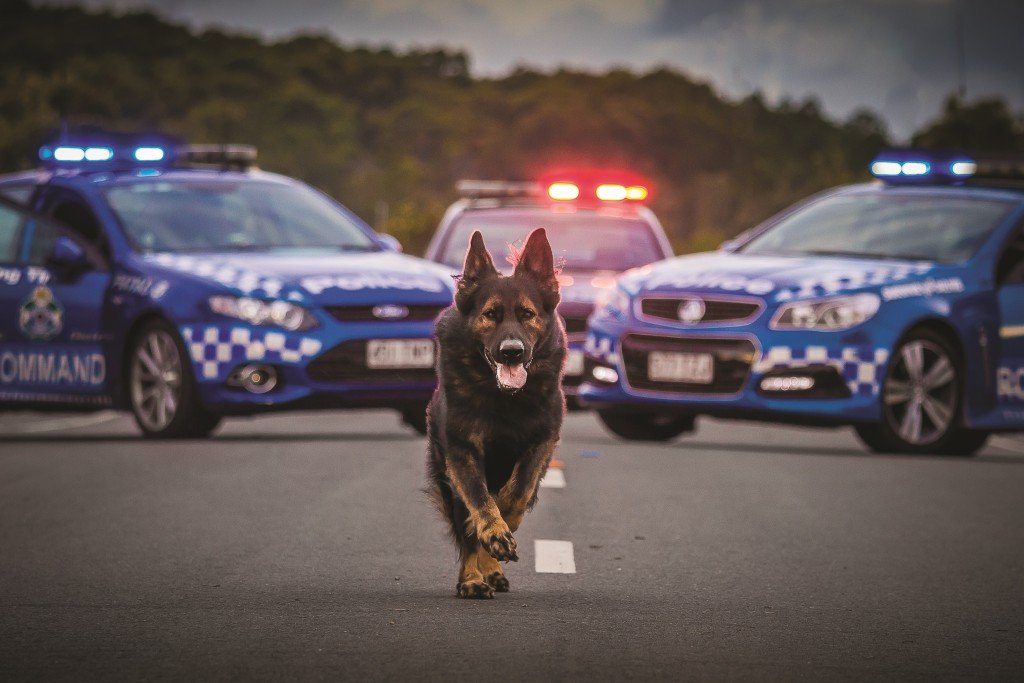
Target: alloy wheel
[[920, 394], [156, 380]]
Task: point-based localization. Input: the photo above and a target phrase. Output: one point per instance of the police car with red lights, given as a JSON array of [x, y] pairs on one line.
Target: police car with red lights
[[596, 220], [185, 285], [895, 306]]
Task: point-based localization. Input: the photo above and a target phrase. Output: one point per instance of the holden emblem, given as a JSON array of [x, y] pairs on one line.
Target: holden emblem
[[691, 310], [390, 311]]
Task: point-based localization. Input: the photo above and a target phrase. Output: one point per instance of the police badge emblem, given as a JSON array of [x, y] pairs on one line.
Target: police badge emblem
[[41, 316]]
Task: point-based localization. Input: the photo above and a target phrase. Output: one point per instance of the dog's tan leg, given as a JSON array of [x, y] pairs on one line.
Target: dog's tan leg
[[519, 492], [491, 570], [465, 471], [471, 580]]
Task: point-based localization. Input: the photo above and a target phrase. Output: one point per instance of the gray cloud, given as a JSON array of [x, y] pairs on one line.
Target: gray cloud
[[896, 57]]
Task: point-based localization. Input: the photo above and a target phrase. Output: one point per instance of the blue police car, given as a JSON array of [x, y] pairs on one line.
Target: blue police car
[[185, 285], [598, 224], [896, 307]]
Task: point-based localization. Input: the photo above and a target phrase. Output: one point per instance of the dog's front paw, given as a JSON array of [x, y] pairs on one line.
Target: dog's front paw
[[474, 590], [497, 540], [498, 582]]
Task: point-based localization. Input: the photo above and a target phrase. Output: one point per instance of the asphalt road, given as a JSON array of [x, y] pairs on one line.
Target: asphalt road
[[299, 546]]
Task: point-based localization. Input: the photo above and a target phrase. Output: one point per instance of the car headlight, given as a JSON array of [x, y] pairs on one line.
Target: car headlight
[[613, 301], [833, 314], [280, 313]]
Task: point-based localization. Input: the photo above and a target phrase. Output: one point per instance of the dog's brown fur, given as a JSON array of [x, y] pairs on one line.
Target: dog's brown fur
[[490, 446]]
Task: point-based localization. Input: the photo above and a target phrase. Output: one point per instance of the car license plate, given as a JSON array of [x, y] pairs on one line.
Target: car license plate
[[690, 368], [574, 363], [390, 354]]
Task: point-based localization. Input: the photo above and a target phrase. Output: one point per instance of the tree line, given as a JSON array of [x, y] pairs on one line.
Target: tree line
[[389, 133]]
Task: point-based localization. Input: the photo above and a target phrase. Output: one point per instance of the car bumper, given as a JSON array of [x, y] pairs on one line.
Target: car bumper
[[325, 367], [846, 368]]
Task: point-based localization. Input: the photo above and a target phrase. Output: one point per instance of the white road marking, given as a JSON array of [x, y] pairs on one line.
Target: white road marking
[[62, 423], [1008, 444], [553, 479], [553, 557]]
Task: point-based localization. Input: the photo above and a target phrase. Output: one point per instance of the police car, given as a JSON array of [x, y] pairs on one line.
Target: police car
[[597, 223], [896, 307], [182, 283]]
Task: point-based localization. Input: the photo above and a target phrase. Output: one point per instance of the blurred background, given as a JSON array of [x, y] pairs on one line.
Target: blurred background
[[733, 109]]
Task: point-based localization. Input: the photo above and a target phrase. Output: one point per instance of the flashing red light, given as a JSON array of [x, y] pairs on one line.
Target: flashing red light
[[562, 191]]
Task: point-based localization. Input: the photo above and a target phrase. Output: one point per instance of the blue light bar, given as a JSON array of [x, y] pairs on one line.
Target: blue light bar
[[922, 166], [98, 150]]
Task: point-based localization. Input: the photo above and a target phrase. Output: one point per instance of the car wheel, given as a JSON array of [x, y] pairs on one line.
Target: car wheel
[[646, 426], [161, 390], [416, 418], [921, 401]]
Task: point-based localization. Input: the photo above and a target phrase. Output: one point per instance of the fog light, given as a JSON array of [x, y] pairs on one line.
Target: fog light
[[256, 379], [783, 383], [605, 374]]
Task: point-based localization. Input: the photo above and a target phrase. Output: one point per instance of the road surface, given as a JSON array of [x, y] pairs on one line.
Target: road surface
[[300, 546]]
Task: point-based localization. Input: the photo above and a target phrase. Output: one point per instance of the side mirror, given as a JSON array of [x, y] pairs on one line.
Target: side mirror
[[389, 242], [728, 246], [68, 254]]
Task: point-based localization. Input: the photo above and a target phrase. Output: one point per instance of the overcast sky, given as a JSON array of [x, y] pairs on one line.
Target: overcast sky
[[897, 57]]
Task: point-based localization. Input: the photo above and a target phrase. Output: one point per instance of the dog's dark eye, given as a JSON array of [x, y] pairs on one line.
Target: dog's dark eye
[[491, 314], [527, 314]]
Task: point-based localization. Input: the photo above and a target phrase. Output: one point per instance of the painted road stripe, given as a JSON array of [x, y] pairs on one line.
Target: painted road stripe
[[1008, 444], [553, 557], [554, 479], [60, 424]]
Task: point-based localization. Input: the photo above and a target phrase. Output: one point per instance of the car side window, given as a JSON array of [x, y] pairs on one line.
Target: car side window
[[1010, 270], [12, 222], [18, 193]]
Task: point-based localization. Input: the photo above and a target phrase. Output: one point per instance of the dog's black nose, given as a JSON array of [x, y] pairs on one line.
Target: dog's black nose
[[511, 351]]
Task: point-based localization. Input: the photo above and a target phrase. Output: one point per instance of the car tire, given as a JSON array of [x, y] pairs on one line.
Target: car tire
[[921, 401], [646, 426], [416, 418], [162, 392]]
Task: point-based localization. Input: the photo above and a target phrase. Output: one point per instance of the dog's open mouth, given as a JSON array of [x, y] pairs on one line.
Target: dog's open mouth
[[510, 376]]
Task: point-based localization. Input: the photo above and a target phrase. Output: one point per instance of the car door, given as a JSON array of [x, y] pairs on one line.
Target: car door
[[1010, 370], [54, 345]]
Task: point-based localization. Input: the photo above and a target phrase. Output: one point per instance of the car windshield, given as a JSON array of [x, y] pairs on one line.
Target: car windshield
[[580, 241], [186, 215], [944, 229]]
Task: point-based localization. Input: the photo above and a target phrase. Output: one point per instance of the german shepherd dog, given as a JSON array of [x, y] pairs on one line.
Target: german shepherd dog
[[495, 417]]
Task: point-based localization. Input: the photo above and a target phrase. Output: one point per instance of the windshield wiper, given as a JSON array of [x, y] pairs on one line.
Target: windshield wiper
[[864, 254]]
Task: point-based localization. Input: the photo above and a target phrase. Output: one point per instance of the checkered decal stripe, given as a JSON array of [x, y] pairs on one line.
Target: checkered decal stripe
[[602, 348], [860, 368], [218, 349]]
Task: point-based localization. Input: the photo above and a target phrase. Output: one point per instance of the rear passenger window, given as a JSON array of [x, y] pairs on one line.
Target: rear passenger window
[[10, 230]]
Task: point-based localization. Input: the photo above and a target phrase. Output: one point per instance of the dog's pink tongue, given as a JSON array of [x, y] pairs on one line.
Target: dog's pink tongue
[[511, 376]]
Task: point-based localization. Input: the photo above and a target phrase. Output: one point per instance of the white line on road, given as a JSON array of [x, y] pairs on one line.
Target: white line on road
[[1008, 444], [553, 557], [553, 479], [62, 423]]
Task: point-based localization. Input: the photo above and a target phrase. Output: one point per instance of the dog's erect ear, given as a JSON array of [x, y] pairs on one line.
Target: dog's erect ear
[[537, 263], [478, 267]]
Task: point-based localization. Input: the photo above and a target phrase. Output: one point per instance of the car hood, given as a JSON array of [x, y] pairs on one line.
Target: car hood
[[318, 278], [777, 278]]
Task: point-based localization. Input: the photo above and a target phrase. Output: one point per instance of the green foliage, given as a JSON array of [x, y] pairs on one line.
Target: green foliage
[[986, 125], [388, 134]]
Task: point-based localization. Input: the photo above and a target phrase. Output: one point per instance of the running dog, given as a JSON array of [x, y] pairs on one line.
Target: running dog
[[495, 417]]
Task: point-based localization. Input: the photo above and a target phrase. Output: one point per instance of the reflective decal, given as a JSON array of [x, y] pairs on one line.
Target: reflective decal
[[10, 276], [41, 316], [141, 286], [724, 281], [65, 368], [316, 285], [1010, 383], [929, 287]]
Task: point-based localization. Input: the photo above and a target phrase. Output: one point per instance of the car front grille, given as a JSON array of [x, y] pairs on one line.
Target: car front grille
[[732, 361], [715, 310], [346, 362], [417, 312]]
